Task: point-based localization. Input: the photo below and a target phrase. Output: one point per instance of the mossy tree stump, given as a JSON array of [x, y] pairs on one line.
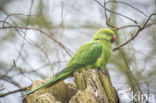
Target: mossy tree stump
[[91, 86]]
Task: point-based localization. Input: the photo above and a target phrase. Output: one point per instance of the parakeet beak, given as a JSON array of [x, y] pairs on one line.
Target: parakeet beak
[[113, 39]]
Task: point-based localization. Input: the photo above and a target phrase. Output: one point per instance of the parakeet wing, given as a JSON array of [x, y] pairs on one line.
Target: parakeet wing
[[87, 54]]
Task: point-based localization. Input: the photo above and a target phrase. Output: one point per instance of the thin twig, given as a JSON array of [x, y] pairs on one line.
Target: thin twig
[[15, 14], [105, 11], [25, 33], [126, 26], [14, 91], [129, 70], [127, 5]]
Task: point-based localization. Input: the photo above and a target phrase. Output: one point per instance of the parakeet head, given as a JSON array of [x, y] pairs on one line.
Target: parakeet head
[[105, 34]]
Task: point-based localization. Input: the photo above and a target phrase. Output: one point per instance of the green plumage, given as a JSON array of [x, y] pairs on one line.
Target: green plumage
[[93, 54]]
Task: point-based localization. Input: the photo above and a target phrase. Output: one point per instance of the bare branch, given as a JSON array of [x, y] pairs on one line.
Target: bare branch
[[136, 34], [116, 12], [148, 20], [14, 91], [59, 43]]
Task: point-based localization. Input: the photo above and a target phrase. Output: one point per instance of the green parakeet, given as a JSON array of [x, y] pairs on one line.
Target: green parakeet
[[93, 54]]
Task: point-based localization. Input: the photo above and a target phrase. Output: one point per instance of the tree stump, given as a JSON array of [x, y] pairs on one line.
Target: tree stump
[[91, 86]]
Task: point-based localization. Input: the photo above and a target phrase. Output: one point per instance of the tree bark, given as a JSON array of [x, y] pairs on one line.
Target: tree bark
[[91, 86]]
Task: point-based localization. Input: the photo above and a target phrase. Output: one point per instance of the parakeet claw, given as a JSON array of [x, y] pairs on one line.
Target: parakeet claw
[[105, 71]]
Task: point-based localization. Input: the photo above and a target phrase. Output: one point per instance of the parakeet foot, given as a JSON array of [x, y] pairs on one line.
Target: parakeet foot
[[105, 70]]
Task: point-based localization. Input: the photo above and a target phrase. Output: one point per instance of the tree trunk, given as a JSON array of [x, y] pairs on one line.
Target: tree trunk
[[92, 86]]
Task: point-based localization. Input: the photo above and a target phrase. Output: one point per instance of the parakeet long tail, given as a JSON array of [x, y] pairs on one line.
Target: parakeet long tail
[[61, 75]]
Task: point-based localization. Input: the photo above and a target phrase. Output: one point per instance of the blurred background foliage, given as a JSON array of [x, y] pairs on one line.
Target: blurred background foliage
[[38, 37]]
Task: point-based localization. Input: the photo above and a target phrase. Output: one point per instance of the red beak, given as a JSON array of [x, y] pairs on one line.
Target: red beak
[[113, 39]]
